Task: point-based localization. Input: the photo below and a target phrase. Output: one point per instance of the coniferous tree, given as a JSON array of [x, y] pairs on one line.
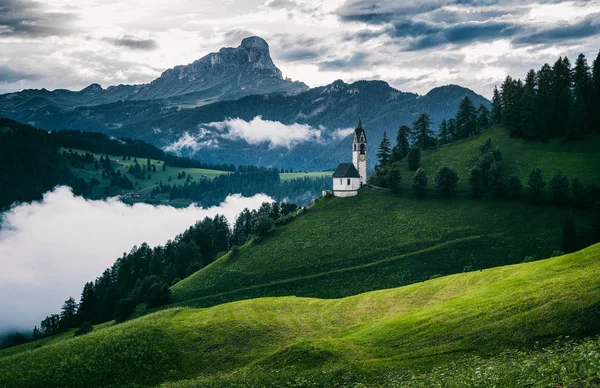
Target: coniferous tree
[[466, 119], [568, 243], [444, 135], [483, 118], [544, 102], [581, 114], [414, 158], [394, 180], [384, 152], [68, 314], [424, 137], [87, 303], [496, 107], [511, 98], [562, 82], [400, 150]]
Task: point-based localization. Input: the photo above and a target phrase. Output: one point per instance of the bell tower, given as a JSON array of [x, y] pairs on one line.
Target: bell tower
[[359, 152]]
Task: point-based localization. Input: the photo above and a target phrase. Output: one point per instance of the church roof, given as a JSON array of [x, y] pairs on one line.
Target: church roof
[[360, 131], [346, 170]]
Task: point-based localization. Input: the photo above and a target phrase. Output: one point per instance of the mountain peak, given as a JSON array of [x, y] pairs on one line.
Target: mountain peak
[[255, 43]]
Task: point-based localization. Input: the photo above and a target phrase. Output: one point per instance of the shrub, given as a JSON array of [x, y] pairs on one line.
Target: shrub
[[86, 327], [414, 158], [578, 193], [394, 180], [528, 259], [476, 182], [559, 188], [536, 185], [497, 179], [445, 180], [419, 182], [125, 307]]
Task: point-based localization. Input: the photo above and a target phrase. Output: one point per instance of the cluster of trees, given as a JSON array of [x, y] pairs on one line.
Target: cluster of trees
[[143, 275], [143, 172], [556, 101], [247, 180], [468, 121], [31, 164]]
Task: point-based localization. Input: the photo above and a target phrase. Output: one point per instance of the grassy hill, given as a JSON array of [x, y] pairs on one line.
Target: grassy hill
[[486, 328], [377, 240], [575, 158]]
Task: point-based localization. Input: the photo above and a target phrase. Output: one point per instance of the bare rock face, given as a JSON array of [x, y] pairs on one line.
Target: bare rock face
[[228, 74]]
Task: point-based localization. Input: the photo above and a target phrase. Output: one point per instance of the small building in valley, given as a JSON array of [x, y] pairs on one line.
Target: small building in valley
[[349, 177]]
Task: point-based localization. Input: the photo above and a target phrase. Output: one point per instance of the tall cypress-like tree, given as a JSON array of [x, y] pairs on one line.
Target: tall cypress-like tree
[[68, 314], [466, 119], [87, 304], [384, 151], [580, 122], [400, 150], [496, 107], [424, 137]]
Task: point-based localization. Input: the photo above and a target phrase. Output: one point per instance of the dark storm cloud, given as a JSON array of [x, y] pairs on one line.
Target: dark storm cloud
[[8, 75], [427, 24], [30, 19], [588, 26], [134, 43]]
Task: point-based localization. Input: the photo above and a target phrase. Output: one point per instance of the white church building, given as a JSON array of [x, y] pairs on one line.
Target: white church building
[[349, 177]]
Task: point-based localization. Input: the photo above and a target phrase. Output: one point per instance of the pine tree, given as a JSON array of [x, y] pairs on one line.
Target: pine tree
[[466, 119], [483, 118], [581, 112], [559, 188], [68, 314], [511, 99], [444, 133], [446, 180], [87, 303], [384, 152], [528, 106], [496, 107], [400, 150], [562, 82], [424, 137], [544, 103]]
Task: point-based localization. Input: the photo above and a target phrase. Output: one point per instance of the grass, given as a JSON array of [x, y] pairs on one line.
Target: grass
[[377, 240], [505, 320], [574, 158], [295, 175]]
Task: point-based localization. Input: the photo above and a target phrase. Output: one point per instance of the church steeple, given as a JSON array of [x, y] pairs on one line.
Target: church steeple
[[359, 151]]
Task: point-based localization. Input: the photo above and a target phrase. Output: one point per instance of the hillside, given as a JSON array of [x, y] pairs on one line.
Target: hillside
[[377, 240], [574, 158], [445, 329]]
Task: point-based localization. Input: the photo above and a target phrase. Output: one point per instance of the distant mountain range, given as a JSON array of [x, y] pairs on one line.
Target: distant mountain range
[[193, 110]]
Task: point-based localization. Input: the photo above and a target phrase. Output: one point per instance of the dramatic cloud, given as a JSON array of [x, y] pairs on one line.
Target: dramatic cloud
[[259, 131], [134, 43], [49, 249], [414, 45], [191, 143]]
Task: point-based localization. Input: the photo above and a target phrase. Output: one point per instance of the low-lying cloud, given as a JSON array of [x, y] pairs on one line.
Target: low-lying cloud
[[259, 131], [50, 248]]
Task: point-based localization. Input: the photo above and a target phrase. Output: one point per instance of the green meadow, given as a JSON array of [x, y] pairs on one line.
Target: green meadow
[[494, 327], [287, 176], [574, 158], [376, 240]]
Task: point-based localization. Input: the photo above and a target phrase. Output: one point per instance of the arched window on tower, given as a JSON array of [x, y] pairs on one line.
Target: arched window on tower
[[363, 149], [354, 147]]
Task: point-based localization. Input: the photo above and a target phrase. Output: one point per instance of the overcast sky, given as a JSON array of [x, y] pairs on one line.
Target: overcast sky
[[413, 45]]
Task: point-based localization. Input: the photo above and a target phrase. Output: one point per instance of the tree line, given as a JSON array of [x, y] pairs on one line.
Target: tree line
[[247, 181], [558, 101], [144, 275]]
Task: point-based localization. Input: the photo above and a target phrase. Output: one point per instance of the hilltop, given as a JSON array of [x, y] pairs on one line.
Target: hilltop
[[409, 336]]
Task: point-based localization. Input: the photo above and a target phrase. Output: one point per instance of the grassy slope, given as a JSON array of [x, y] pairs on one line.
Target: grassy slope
[[318, 342], [574, 158], [376, 240]]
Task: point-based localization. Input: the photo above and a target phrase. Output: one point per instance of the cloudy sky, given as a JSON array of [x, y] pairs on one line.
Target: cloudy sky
[[414, 45]]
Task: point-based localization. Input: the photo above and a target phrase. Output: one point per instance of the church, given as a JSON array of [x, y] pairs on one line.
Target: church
[[349, 177]]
